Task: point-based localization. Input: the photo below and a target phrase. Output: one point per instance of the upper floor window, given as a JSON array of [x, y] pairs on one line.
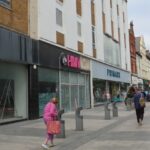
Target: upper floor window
[[93, 12], [117, 9], [60, 1], [123, 17], [93, 37], [79, 28], [102, 5], [5, 3], [110, 3], [79, 7], [59, 17]]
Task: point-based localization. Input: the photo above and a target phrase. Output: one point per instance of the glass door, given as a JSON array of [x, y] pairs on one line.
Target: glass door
[[74, 97], [65, 103]]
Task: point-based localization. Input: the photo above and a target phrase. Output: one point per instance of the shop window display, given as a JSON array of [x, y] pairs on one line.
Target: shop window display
[[48, 87], [6, 98], [99, 91], [74, 91]]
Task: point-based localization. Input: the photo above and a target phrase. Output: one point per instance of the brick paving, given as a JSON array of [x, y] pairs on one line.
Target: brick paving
[[119, 133]]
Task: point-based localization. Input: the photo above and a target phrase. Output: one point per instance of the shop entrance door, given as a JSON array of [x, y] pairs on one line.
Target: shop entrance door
[[74, 97]]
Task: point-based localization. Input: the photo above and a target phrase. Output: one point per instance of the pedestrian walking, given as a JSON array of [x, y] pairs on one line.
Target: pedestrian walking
[[50, 114], [129, 98], [139, 104]]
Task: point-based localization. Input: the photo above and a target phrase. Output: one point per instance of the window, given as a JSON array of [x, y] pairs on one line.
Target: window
[[78, 7], [60, 1], [5, 2], [123, 17], [119, 35], [93, 37], [93, 12], [112, 29], [117, 9], [125, 40], [80, 47], [110, 3], [102, 5], [59, 17], [104, 22], [60, 38], [79, 28]]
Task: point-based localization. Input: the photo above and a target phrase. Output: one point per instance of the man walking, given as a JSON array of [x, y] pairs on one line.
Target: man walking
[[138, 107]]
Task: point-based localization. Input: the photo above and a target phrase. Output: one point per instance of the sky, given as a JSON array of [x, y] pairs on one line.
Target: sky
[[139, 13]]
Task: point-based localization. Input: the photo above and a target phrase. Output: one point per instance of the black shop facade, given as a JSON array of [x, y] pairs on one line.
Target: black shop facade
[[63, 74]]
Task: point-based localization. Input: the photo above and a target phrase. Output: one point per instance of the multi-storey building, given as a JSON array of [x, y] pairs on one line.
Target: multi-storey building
[[93, 32], [14, 55], [147, 82], [133, 55], [142, 62], [79, 52]]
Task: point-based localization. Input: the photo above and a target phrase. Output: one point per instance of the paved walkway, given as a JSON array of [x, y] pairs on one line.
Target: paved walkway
[[119, 133]]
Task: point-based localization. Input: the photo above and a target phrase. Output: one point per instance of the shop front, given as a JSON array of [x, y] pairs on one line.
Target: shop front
[[65, 75], [13, 92], [109, 83], [134, 80], [15, 59], [146, 84]]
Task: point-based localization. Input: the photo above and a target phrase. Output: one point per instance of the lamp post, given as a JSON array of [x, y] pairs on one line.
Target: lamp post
[[60, 57]]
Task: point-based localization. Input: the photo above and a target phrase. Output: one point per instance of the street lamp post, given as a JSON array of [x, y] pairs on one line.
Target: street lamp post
[[60, 57]]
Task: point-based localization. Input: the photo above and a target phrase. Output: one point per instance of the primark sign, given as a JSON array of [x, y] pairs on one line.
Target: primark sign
[[113, 73]]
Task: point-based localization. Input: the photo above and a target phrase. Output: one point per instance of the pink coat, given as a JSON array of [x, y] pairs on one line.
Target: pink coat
[[50, 111]]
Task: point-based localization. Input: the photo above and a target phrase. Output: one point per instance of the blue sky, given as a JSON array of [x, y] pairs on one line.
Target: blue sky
[[139, 13]]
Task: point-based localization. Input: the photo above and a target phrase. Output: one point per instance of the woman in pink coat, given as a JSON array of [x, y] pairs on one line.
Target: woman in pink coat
[[50, 113]]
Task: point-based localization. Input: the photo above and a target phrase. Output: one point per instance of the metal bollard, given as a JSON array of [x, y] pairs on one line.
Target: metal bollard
[[107, 111], [115, 109], [62, 134], [79, 119]]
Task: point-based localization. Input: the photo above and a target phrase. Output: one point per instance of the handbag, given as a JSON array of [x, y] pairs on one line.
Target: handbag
[[142, 101], [54, 127]]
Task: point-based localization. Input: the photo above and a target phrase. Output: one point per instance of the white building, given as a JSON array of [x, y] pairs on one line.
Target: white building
[[95, 34]]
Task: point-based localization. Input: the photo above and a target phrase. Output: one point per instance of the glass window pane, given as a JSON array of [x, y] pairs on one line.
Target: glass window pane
[[74, 97], [13, 98], [48, 75], [82, 96], [5, 2], [64, 77], [99, 90], [81, 79], [65, 103], [73, 78], [48, 86], [58, 17], [87, 95], [79, 28]]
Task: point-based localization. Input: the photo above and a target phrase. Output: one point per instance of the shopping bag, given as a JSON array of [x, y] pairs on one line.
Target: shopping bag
[[142, 101], [54, 127]]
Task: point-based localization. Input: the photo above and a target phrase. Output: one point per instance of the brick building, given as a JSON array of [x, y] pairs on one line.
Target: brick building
[[132, 43]]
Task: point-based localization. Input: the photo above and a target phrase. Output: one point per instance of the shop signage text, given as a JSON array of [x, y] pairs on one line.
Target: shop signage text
[[112, 73], [71, 61]]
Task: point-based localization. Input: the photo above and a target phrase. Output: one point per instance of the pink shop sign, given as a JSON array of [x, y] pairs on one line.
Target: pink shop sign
[[73, 61]]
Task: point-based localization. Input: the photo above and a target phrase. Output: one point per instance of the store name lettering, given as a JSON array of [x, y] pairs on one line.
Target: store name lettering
[[73, 61], [113, 73]]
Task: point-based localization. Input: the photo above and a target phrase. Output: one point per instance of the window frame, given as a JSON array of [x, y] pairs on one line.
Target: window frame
[[59, 17], [93, 38], [79, 28]]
